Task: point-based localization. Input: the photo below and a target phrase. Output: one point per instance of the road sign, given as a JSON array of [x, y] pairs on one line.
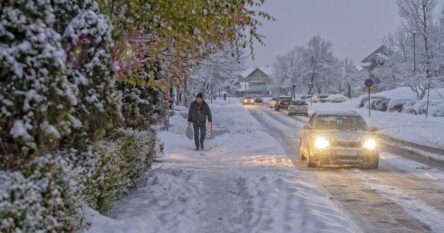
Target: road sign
[[369, 83]]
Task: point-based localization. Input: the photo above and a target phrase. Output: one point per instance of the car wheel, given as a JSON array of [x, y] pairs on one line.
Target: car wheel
[[301, 152], [311, 162], [372, 163]]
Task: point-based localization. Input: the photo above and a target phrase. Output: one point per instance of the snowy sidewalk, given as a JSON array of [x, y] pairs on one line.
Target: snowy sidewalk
[[243, 182]]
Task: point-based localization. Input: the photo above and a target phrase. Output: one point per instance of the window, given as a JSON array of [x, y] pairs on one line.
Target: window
[[338, 122]]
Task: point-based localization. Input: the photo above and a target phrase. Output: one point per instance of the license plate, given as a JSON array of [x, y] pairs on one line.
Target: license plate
[[347, 152]]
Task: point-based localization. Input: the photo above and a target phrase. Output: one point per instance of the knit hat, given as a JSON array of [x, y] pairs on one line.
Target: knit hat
[[199, 95]]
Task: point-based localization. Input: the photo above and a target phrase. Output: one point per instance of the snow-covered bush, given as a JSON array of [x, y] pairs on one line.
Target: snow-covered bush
[[43, 197], [35, 96], [124, 157], [141, 106], [88, 43]]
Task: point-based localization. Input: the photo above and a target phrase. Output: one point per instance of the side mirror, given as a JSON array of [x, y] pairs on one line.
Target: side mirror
[[307, 127], [372, 129]]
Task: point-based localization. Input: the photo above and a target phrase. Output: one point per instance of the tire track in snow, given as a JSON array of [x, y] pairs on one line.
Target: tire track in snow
[[363, 203]]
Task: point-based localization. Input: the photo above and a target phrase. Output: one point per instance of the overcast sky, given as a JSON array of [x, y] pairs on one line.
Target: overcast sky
[[356, 27]]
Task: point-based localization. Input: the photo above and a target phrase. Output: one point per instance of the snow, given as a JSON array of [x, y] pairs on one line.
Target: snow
[[425, 213], [266, 69], [243, 182], [19, 129], [412, 167]]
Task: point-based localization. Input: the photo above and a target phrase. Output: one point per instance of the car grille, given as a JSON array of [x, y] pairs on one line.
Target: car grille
[[346, 144]]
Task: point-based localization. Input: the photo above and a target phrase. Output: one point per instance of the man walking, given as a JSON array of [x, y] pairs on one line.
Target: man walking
[[198, 114]]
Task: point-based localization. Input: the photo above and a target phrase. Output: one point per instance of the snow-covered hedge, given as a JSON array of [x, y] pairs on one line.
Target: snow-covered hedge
[[35, 97], [124, 157], [141, 106], [43, 197]]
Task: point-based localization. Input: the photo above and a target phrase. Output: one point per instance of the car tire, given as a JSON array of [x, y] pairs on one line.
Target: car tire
[[301, 152], [311, 162], [372, 163]]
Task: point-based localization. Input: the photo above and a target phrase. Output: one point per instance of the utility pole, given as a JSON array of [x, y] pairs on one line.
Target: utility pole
[[414, 52]]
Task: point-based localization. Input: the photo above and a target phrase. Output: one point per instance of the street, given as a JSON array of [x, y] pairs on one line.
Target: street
[[390, 199], [250, 179]]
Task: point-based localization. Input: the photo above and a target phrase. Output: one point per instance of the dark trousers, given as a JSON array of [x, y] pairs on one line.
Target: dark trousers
[[200, 131]]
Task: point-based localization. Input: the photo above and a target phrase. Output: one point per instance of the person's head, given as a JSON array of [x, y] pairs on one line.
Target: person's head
[[199, 98]]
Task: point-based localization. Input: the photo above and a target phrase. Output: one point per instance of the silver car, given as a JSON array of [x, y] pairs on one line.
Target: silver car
[[336, 137], [298, 107]]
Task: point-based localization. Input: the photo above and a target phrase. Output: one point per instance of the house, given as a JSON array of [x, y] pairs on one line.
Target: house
[[376, 58], [256, 81]]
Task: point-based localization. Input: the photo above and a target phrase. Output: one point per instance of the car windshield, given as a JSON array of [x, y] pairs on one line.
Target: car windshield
[[340, 122]]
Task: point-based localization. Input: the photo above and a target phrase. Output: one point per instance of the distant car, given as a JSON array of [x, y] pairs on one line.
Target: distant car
[[381, 104], [258, 99], [438, 110], [273, 102], [376, 103], [364, 100], [338, 98], [306, 97], [248, 101], [421, 106], [409, 107], [396, 105], [322, 98], [283, 102], [298, 107], [337, 137]]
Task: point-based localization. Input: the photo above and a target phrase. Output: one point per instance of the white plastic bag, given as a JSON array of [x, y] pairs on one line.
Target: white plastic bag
[[189, 132]]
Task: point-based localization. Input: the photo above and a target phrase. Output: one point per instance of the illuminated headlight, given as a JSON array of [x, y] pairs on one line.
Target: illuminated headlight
[[369, 144], [245, 100], [252, 101], [321, 143]]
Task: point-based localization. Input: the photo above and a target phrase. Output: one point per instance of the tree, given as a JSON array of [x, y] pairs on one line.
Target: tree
[[418, 17], [217, 70], [350, 73]]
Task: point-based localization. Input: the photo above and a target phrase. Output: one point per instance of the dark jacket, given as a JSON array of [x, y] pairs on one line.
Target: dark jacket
[[198, 113]]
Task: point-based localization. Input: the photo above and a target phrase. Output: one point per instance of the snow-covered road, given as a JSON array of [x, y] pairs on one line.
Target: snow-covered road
[[401, 196], [251, 180]]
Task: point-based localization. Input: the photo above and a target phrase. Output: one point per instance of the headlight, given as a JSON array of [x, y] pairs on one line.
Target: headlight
[[321, 143], [245, 100], [369, 144], [252, 101]]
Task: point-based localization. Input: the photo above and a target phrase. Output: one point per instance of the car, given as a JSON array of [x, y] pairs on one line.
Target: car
[[298, 107], [376, 102], [248, 101], [258, 99], [364, 100], [420, 107], [321, 98], [339, 137], [438, 110], [306, 97], [338, 98], [283, 102], [396, 105], [273, 102], [409, 107], [381, 104]]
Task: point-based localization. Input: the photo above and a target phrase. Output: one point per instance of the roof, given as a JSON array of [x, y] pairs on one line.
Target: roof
[[382, 49], [265, 69]]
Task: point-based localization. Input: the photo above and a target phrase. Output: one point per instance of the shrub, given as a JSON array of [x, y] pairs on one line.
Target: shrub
[[44, 197], [124, 157], [35, 97]]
